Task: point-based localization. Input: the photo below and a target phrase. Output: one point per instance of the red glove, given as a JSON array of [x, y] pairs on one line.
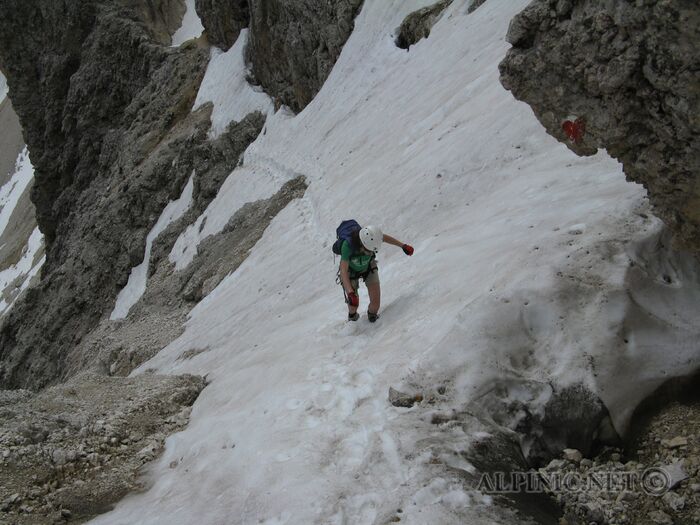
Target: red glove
[[353, 299], [407, 249]]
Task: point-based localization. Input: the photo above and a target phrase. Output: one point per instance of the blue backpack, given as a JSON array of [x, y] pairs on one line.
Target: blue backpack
[[344, 233]]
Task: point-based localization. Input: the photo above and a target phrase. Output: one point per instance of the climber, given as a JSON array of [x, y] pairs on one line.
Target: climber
[[358, 248]]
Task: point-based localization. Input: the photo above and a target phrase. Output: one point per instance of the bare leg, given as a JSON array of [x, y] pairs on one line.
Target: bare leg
[[375, 293]]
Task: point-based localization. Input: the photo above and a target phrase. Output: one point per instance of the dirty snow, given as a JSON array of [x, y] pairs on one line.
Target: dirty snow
[[521, 270], [191, 25], [136, 286]]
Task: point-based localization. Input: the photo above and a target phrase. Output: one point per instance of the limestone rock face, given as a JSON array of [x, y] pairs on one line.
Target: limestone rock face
[[105, 104], [223, 20], [295, 43], [623, 76]]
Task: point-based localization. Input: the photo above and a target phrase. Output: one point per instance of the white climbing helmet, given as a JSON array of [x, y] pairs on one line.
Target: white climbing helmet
[[371, 238]]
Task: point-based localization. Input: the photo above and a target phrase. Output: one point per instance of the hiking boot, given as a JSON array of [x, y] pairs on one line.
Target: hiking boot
[[372, 317], [353, 317]]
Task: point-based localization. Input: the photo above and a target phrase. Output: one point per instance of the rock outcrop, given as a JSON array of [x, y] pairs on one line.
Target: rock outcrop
[[295, 43], [223, 20], [624, 76], [418, 24]]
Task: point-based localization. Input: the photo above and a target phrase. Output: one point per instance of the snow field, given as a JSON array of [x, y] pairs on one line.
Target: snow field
[[18, 275], [11, 192], [191, 25], [295, 427]]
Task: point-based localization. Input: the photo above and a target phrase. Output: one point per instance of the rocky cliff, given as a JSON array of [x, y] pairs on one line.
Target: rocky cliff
[[106, 118], [105, 105], [623, 76]]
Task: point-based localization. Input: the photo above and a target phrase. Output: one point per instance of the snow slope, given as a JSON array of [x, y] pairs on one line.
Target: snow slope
[[191, 25], [15, 278], [521, 271], [20, 275]]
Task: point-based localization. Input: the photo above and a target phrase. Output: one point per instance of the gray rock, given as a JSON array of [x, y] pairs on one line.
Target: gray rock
[[400, 399], [660, 518], [626, 496], [594, 512], [630, 72], [294, 44], [216, 259], [556, 464], [678, 441], [223, 20], [674, 501], [573, 455], [418, 24], [59, 456]]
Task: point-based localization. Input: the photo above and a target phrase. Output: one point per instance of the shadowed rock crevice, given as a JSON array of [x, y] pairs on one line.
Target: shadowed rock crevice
[[625, 77]]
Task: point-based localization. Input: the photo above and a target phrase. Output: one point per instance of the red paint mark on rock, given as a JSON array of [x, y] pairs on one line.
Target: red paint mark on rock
[[574, 129]]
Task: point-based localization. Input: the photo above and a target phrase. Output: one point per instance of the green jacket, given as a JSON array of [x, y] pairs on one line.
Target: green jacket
[[358, 262]]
